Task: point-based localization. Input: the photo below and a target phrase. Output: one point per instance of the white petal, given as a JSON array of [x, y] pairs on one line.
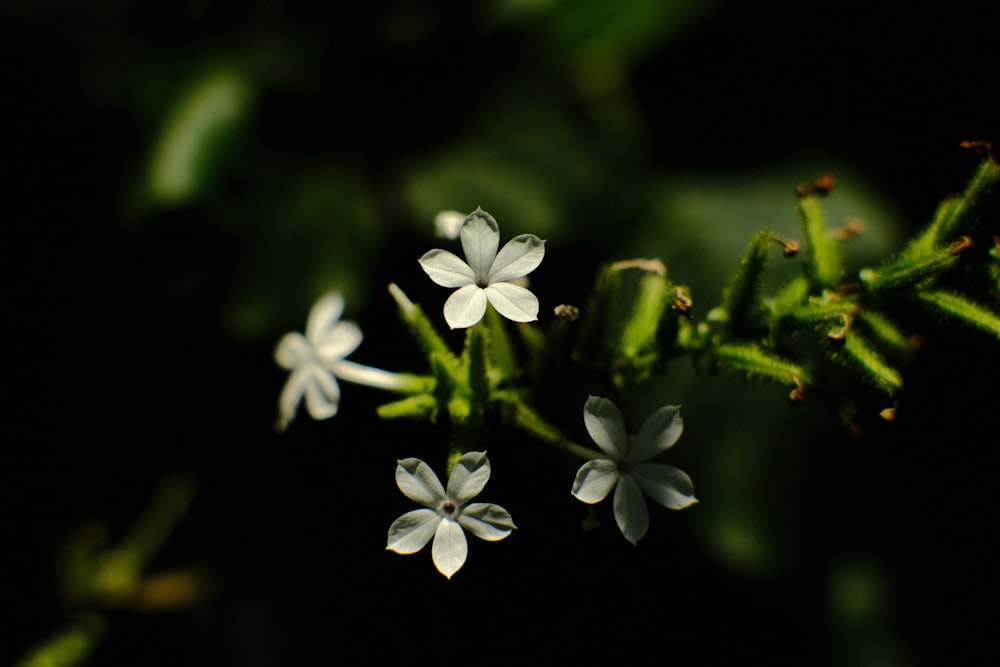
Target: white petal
[[605, 425], [419, 483], [513, 302], [409, 533], [594, 480], [630, 510], [480, 239], [446, 269], [291, 395], [465, 307], [658, 434], [293, 350], [324, 315], [667, 485], [468, 477], [450, 548], [519, 257], [339, 342], [322, 394], [487, 521]]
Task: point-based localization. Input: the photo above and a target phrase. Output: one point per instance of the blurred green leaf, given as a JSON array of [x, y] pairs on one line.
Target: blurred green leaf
[[195, 133]]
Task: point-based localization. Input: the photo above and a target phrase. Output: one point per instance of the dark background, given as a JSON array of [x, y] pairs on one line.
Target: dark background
[[122, 368]]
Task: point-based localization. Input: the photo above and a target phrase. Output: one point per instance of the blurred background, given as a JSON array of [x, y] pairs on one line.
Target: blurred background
[[183, 180]]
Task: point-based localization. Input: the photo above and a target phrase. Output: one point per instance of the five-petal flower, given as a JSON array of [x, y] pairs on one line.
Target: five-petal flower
[[446, 513], [626, 468], [486, 275], [313, 360]]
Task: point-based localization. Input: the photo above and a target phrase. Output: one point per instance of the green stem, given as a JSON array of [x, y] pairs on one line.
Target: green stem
[[528, 420]]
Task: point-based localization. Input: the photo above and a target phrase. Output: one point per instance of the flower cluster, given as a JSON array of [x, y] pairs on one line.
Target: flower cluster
[[463, 386]]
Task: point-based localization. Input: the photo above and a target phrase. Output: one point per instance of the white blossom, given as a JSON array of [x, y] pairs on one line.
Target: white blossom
[[316, 360], [449, 223], [627, 469], [486, 275], [446, 515]]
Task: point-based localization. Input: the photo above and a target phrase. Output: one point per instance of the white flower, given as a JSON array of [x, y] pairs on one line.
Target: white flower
[[316, 360], [626, 468], [445, 514], [449, 223], [486, 275]]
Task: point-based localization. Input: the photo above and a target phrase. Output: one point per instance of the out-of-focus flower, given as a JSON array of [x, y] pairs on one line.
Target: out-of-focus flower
[[449, 223], [486, 275], [627, 471], [316, 360]]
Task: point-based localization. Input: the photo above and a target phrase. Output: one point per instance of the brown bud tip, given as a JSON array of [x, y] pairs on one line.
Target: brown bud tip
[[790, 247], [959, 244], [820, 187], [851, 229], [981, 147], [798, 394], [840, 335], [682, 303], [888, 414]]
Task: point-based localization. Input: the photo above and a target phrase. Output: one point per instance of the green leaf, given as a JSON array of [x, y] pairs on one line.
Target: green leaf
[[195, 131], [962, 309], [501, 352], [476, 354], [822, 251], [884, 329], [955, 215], [638, 339], [908, 269], [754, 362], [440, 356], [599, 316], [858, 353], [740, 299], [421, 407]]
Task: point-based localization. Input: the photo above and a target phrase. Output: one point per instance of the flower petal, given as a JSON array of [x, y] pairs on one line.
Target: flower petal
[[465, 307], [595, 479], [419, 483], [519, 257], [339, 342], [487, 521], [450, 548], [324, 315], [291, 395], [322, 393], [630, 510], [293, 350], [468, 477], [513, 301], [605, 425], [667, 485], [657, 434], [446, 269], [480, 239], [409, 533]]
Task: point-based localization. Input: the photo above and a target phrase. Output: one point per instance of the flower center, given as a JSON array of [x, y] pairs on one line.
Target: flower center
[[448, 509], [481, 284]]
